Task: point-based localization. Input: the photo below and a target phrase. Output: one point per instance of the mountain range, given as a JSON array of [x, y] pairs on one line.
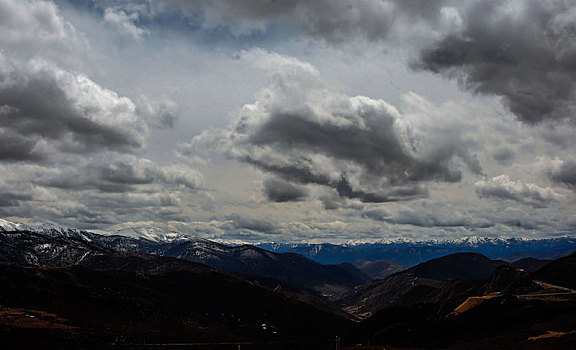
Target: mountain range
[[409, 253], [402, 252], [67, 288]]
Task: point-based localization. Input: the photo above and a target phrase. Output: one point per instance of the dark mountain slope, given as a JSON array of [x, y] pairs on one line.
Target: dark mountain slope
[[505, 280], [508, 310], [395, 290], [417, 283], [561, 272], [65, 248], [168, 307], [30, 248], [289, 267], [378, 269], [456, 266], [530, 264], [542, 255], [502, 323], [37, 249]]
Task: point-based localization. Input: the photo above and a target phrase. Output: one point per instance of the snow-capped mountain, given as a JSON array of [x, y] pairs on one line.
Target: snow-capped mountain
[[13, 226], [50, 245], [403, 251], [49, 229], [147, 234], [408, 252], [153, 234]]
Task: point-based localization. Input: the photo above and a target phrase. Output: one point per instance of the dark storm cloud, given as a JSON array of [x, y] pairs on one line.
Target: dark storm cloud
[[40, 101], [303, 132], [376, 147], [74, 183], [123, 174], [253, 224], [565, 174], [299, 172], [523, 51], [504, 156], [8, 199], [281, 191], [394, 194], [15, 148]]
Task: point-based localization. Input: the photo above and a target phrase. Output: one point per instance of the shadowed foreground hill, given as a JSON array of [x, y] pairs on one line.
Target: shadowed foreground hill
[[378, 269], [415, 283], [561, 272], [104, 307], [114, 296], [329, 280], [512, 309], [455, 266]]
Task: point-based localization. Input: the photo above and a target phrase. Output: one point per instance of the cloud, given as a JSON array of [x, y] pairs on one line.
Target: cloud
[[17, 148], [121, 174], [98, 190], [277, 190], [30, 27], [501, 187], [504, 155], [304, 132], [239, 222], [70, 111], [125, 23], [428, 215], [332, 20], [8, 199], [564, 173], [161, 113], [522, 51]]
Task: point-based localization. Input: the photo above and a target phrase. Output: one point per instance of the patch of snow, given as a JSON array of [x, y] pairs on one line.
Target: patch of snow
[[153, 234]]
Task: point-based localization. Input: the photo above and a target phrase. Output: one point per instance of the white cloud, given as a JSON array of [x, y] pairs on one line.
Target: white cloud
[[43, 101], [29, 28], [502, 187], [306, 132], [125, 23]]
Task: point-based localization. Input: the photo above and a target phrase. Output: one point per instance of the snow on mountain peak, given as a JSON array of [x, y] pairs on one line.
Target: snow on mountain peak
[[6, 225], [154, 234]]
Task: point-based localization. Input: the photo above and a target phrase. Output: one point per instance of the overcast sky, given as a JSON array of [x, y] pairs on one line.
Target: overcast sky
[[290, 120]]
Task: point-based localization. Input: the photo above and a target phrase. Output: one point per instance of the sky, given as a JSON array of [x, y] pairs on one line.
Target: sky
[[290, 120]]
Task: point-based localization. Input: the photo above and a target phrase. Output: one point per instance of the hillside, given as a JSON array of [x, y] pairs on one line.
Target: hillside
[[455, 266], [561, 272], [329, 280], [378, 269], [104, 307], [413, 284]]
